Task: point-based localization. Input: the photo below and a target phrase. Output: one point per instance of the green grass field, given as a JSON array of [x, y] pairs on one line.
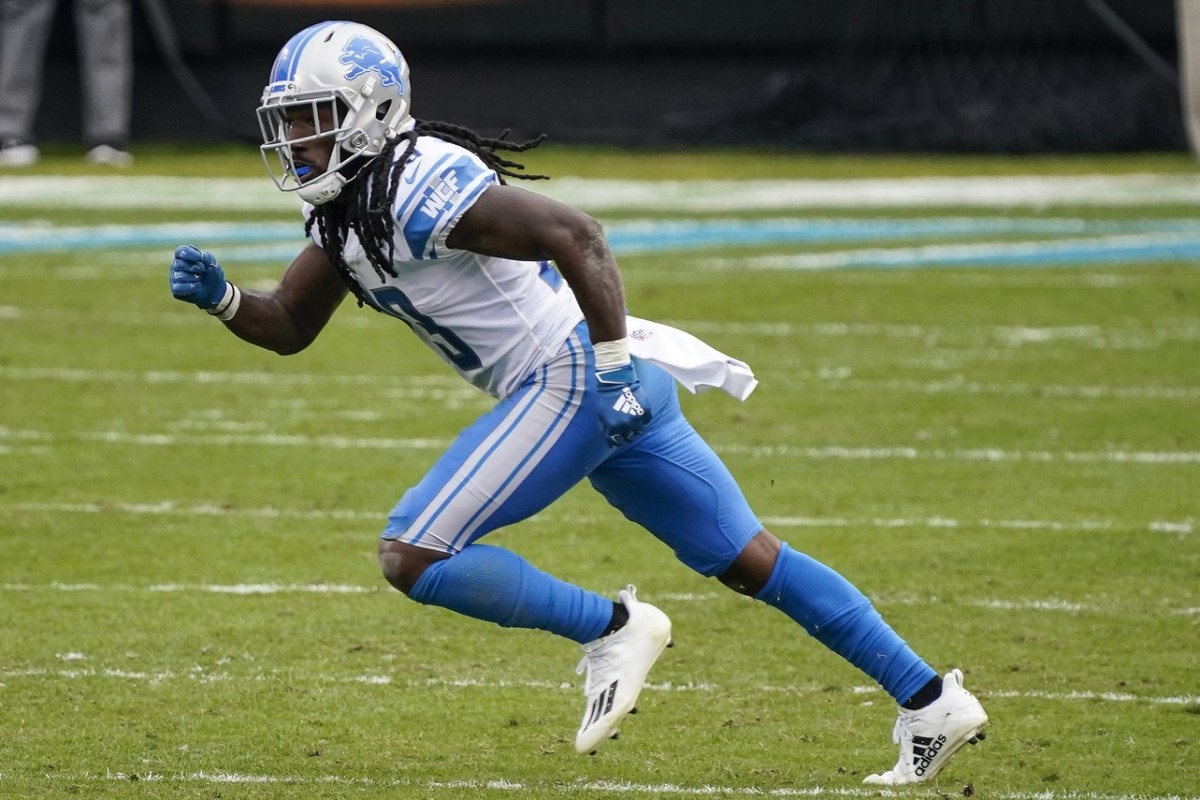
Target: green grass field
[[1003, 454]]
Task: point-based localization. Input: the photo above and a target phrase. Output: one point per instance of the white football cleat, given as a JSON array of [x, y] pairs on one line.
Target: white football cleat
[[929, 736], [104, 155], [617, 666], [17, 154]]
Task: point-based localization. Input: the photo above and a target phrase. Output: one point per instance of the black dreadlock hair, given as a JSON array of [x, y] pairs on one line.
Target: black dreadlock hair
[[365, 204]]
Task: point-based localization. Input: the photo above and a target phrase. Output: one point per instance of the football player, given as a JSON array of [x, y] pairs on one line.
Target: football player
[[522, 297]]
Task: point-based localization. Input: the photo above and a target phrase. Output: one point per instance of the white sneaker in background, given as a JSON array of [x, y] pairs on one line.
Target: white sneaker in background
[[929, 736], [17, 154], [617, 666], [106, 156]]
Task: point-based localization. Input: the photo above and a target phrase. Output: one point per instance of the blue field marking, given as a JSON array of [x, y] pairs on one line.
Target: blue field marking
[[657, 236], [41, 238], [1113, 250], [1057, 241], [1024, 254], [667, 235]]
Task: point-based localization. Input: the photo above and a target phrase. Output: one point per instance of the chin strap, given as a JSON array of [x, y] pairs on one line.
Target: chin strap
[[329, 185], [323, 189]]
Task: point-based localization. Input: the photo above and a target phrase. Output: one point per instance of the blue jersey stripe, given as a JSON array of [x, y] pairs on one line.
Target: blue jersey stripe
[[434, 208], [465, 203], [417, 179]]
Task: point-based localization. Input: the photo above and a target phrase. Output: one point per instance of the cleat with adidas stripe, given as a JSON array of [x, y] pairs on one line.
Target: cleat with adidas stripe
[[930, 736], [616, 667]]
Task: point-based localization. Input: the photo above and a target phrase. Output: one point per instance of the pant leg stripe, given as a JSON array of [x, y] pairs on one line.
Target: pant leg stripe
[[485, 453], [531, 459]]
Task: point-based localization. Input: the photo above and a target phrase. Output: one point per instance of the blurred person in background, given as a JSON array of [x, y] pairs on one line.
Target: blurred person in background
[[105, 44]]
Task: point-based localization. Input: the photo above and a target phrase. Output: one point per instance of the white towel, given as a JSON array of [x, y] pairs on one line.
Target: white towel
[[697, 366]]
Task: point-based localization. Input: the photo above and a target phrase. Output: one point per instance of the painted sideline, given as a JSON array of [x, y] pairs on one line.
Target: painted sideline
[[339, 589], [1009, 191], [1184, 527], [45, 439], [201, 675], [581, 787]]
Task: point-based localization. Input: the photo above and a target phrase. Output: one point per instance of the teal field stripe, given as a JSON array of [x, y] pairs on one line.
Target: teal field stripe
[[1075, 252], [1057, 242], [39, 238], [647, 236], [671, 235], [258, 195]]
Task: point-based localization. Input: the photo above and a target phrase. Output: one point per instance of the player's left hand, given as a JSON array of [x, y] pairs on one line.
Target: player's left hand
[[197, 278], [622, 405]]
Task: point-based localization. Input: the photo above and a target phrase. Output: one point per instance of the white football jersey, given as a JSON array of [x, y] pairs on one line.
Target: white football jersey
[[494, 320]]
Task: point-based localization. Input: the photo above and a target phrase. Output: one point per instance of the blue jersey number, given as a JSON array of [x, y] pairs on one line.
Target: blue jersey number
[[391, 300]]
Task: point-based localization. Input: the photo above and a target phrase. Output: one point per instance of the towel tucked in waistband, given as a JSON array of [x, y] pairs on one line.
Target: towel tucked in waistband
[[696, 365]]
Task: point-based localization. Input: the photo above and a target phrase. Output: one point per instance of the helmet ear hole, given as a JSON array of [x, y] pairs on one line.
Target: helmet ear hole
[[382, 110]]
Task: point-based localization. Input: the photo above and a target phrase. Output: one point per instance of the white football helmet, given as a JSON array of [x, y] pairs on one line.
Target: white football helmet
[[355, 72]]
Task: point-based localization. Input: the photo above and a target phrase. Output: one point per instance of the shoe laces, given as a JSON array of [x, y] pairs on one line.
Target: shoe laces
[[597, 660], [904, 719]]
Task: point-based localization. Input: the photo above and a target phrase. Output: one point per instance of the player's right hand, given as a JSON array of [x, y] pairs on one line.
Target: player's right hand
[[623, 407], [197, 278]]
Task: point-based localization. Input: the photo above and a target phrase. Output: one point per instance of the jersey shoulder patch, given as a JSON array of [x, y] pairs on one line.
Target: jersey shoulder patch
[[439, 183]]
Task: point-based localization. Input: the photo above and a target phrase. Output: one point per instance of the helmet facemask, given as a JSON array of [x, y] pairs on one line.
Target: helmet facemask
[[330, 120]]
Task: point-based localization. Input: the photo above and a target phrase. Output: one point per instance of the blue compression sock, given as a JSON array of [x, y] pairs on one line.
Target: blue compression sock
[[499, 586], [840, 617]]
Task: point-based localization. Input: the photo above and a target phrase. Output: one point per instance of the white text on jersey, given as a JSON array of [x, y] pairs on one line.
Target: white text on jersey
[[441, 196]]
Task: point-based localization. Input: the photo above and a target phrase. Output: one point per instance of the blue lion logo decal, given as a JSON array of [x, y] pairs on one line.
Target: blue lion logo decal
[[362, 55]]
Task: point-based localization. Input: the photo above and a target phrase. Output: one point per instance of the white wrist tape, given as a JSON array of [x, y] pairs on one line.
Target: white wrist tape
[[229, 304], [610, 355]]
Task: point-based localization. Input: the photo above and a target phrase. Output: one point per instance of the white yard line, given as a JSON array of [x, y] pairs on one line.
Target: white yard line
[[1002, 191], [1008, 335], [961, 386], [258, 589], [1181, 527], [1131, 337], [437, 389], [170, 508], [458, 394], [842, 453], [436, 385], [178, 509], [45, 439], [449, 389], [200, 674], [580, 788], [1131, 248]]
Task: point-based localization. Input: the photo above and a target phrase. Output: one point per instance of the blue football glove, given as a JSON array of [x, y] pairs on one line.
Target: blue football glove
[[197, 278], [623, 408]]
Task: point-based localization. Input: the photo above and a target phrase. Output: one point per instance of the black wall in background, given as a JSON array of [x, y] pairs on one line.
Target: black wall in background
[[852, 76], [616, 26]]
